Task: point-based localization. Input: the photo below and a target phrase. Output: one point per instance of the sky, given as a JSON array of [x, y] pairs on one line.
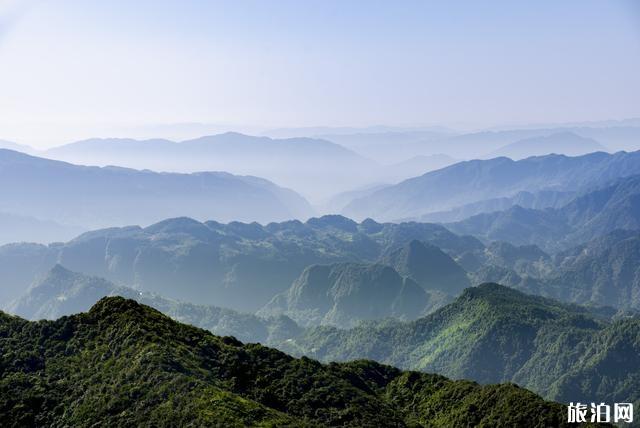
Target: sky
[[78, 69]]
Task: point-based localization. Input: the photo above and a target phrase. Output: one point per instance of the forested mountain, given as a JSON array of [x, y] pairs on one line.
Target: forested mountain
[[489, 334], [62, 292], [520, 226], [236, 265], [169, 374], [615, 205], [495, 334], [429, 266], [478, 180], [603, 271], [93, 197], [345, 294]]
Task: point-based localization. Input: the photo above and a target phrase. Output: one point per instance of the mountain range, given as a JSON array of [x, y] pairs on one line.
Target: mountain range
[[16, 147], [393, 144], [566, 143], [317, 168], [489, 334], [237, 265], [92, 197], [478, 180], [603, 271], [495, 334], [160, 372], [596, 212], [62, 292]]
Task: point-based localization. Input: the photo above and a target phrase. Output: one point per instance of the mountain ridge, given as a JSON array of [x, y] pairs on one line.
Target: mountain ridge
[[473, 181], [99, 196], [208, 379]]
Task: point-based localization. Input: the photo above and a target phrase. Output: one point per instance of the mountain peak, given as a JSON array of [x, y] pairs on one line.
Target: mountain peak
[[335, 221], [114, 307], [429, 266], [218, 381], [59, 271]]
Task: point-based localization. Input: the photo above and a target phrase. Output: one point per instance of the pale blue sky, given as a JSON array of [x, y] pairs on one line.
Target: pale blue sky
[[73, 69]]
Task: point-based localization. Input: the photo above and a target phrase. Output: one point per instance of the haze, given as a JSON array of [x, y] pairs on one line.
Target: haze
[[72, 70]]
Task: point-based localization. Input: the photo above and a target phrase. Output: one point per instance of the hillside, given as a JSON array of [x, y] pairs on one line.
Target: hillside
[[345, 294], [92, 197], [477, 180], [495, 334], [62, 292], [593, 213], [517, 225], [164, 373], [429, 266], [537, 200]]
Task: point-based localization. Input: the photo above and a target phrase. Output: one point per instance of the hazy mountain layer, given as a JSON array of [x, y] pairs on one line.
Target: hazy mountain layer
[[537, 200], [16, 228], [474, 181], [594, 213], [93, 197], [239, 265], [315, 167], [566, 143]]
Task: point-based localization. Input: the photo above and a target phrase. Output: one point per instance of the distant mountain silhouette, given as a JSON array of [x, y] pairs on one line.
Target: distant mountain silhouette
[[16, 228], [565, 143], [93, 197], [474, 181], [15, 146], [313, 166], [538, 200]]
